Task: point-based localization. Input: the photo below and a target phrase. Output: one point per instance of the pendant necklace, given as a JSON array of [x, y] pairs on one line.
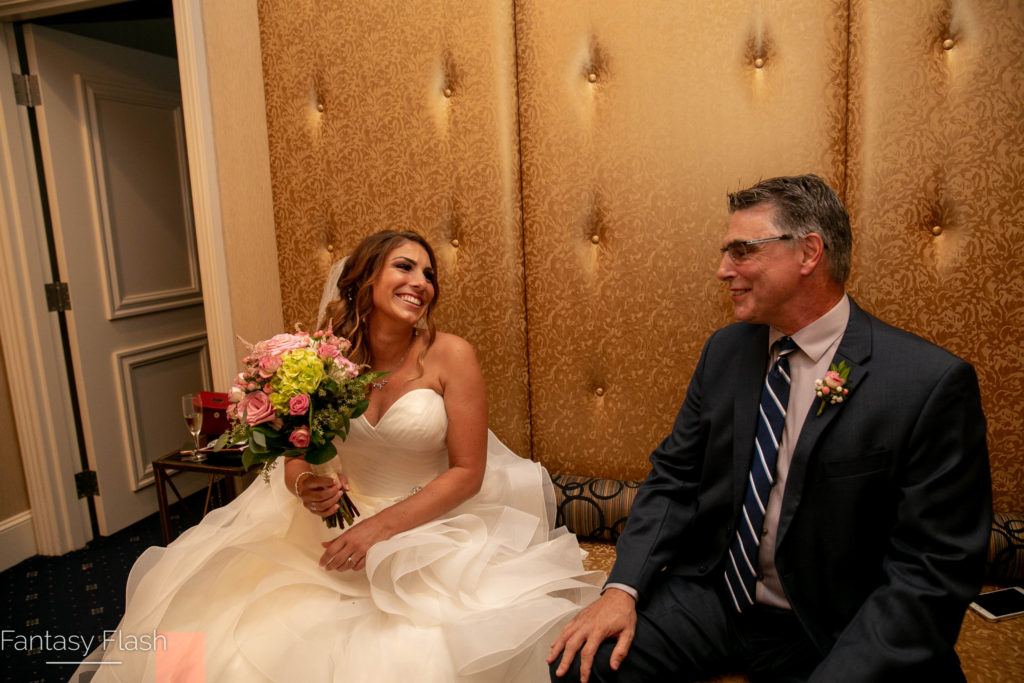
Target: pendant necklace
[[378, 385]]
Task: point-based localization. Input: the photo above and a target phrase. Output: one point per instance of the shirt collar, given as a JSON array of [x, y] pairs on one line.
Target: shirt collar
[[816, 338]]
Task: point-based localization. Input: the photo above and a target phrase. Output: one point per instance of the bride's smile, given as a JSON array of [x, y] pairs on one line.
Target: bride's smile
[[405, 286]]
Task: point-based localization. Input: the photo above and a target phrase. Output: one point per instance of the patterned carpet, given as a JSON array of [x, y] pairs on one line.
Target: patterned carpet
[[55, 606]]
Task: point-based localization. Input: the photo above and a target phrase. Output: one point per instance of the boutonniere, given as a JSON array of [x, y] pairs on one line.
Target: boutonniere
[[832, 388]]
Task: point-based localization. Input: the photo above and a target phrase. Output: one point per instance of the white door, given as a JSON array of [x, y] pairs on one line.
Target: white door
[[113, 154]]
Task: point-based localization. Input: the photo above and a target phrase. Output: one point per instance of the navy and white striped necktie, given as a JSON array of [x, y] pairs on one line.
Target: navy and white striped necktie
[[741, 567]]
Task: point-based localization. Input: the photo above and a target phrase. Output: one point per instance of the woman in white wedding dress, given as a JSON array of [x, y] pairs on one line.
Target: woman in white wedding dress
[[451, 573]]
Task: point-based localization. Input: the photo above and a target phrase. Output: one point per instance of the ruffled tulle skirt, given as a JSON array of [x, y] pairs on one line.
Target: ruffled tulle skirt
[[477, 595]]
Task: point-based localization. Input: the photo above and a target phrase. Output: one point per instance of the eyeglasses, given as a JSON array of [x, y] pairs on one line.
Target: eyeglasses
[[739, 251]]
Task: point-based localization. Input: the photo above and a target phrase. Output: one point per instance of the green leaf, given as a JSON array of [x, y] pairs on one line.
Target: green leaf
[[360, 408], [321, 454], [250, 457]]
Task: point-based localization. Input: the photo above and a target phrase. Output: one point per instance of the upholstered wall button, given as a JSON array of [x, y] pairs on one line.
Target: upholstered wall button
[[947, 44], [330, 248], [599, 391], [592, 77], [320, 107], [447, 92], [936, 230], [759, 62], [455, 243], [595, 238]]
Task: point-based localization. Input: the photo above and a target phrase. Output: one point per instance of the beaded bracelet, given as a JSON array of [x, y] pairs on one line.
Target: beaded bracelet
[[298, 479]]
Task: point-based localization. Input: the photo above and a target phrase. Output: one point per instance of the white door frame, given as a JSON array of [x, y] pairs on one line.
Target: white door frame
[[29, 333]]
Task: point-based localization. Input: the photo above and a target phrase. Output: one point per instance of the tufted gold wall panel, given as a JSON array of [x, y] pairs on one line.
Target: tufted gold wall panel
[[626, 160], [935, 192], [394, 115], [578, 153]]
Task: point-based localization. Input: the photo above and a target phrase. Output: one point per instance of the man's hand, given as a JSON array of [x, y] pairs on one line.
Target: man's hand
[[613, 615]]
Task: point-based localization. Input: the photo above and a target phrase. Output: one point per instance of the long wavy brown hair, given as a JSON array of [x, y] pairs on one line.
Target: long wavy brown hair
[[348, 315]]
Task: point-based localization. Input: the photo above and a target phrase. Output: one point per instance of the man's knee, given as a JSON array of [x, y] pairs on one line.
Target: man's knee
[[600, 670]]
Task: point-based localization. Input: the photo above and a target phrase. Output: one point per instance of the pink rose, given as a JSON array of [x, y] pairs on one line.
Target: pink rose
[[300, 437], [283, 343], [350, 368], [298, 405], [269, 365], [833, 379], [267, 389], [328, 351], [256, 408]]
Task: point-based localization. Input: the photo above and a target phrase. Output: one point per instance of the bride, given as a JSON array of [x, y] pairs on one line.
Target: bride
[[451, 573]]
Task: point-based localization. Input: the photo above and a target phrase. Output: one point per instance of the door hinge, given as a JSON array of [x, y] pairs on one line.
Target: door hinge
[[58, 298], [86, 483], [26, 90]]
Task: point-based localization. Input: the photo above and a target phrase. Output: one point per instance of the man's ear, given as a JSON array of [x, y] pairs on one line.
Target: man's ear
[[813, 253]]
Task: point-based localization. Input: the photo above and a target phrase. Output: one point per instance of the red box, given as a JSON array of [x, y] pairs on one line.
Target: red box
[[215, 412]]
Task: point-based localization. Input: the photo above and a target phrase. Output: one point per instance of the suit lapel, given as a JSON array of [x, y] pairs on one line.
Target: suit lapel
[[752, 367], [855, 349]]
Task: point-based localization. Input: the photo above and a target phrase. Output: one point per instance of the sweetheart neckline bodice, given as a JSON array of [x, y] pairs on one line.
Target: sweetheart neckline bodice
[[391, 407]]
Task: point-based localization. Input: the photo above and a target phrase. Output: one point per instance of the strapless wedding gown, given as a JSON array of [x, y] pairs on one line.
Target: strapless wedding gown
[[476, 595]]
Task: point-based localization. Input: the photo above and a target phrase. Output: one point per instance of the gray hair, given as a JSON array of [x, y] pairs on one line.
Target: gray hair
[[805, 204]]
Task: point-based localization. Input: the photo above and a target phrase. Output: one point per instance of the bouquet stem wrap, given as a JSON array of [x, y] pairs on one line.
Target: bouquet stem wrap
[[346, 512]]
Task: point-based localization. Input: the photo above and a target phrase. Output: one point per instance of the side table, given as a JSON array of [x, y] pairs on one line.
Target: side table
[[222, 468]]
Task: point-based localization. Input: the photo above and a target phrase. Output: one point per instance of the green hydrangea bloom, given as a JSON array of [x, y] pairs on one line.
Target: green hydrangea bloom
[[301, 372]]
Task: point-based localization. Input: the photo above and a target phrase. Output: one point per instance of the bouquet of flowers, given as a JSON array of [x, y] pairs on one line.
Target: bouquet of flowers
[[295, 394]]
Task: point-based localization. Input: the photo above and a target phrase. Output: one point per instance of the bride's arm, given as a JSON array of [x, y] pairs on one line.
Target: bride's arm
[[465, 402]]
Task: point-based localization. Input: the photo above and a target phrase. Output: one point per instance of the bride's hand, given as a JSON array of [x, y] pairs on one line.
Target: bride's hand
[[320, 495], [348, 551]]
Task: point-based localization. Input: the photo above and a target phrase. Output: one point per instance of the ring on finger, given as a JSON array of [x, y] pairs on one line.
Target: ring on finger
[[312, 506], [350, 560]]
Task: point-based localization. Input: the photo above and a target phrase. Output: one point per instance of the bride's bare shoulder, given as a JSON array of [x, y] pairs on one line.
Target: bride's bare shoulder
[[450, 347]]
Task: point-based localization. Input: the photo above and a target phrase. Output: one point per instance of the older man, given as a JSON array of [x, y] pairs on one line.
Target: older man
[[822, 506]]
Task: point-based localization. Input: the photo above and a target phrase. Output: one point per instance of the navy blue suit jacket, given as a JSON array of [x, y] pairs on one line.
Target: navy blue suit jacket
[[887, 508]]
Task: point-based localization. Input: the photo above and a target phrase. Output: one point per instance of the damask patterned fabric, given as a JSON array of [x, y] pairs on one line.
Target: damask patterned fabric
[[935, 174], [570, 162], [394, 114], [635, 120]]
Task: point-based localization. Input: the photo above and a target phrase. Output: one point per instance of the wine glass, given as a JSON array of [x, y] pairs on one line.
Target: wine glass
[[192, 410]]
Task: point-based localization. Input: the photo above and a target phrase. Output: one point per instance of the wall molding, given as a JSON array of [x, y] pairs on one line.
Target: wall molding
[[17, 539], [206, 203], [130, 360], [30, 334], [31, 338], [122, 304]]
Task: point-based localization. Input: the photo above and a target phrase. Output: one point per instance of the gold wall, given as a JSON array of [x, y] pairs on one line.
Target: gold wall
[[569, 160]]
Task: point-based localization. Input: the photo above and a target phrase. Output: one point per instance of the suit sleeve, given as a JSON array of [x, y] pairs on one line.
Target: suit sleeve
[[666, 501], [935, 557]]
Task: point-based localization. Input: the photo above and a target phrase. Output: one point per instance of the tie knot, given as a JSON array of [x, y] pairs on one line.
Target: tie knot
[[785, 346]]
